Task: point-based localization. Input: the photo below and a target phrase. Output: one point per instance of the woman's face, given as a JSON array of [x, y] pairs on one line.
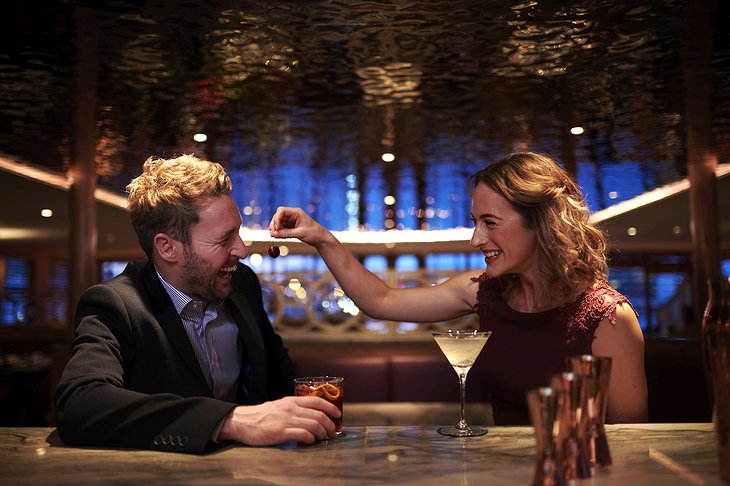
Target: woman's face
[[499, 233]]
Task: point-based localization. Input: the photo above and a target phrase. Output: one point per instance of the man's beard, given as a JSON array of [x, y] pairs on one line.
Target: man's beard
[[200, 278]]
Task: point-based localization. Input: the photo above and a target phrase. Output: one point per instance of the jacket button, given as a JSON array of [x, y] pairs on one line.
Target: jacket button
[[184, 441], [166, 440], [158, 440]]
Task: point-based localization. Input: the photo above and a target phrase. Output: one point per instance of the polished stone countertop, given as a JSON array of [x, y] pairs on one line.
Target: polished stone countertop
[[645, 454]]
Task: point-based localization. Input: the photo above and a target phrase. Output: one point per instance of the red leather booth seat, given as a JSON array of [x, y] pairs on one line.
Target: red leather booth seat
[[366, 379], [410, 378], [679, 390], [423, 379]]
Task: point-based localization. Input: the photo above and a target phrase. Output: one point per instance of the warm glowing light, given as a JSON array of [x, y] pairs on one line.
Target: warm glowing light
[[576, 130], [677, 230], [650, 197], [389, 200], [631, 231], [387, 157], [255, 259], [62, 182], [24, 233], [295, 284], [200, 137], [46, 213], [245, 237], [283, 250], [371, 237]]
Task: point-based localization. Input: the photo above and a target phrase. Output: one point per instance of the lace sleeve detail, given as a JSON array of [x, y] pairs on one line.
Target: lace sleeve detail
[[485, 294], [593, 306]]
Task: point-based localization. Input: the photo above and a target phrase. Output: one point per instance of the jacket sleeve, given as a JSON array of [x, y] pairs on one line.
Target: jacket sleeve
[[94, 405]]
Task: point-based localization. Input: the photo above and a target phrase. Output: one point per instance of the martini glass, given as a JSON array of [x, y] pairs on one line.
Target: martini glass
[[461, 348]]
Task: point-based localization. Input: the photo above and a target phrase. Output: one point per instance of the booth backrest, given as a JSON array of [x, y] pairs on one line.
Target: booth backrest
[[678, 385]]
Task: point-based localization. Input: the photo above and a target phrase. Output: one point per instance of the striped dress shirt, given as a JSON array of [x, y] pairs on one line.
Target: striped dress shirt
[[214, 337]]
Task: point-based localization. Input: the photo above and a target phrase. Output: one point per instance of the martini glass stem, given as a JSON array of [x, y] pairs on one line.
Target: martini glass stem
[[462, 396]]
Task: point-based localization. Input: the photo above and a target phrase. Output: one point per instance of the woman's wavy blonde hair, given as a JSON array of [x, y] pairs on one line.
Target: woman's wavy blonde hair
[[166, 197], [572, 252]]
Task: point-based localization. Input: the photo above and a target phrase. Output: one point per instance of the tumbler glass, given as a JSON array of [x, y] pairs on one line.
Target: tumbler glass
[[331, 388]]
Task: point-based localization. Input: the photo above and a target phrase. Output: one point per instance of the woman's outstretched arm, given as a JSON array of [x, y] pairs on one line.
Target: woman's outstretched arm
[[453, 298]]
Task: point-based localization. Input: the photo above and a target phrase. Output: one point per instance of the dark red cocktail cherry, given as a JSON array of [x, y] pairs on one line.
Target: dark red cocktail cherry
[[274, 251]]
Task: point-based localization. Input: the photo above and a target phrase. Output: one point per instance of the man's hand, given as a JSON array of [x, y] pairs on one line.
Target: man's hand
[[304, 419]]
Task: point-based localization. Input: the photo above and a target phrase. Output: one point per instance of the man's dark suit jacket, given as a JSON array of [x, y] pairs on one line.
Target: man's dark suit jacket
[[133, 379]]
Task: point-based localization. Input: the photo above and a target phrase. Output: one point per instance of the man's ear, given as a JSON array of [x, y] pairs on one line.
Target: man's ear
[[167, 247]]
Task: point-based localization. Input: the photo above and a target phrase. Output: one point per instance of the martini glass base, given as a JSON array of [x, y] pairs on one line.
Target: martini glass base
[[467, 432]]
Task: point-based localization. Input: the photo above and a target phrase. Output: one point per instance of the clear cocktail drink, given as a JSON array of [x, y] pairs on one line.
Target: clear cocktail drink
[[461, 348]]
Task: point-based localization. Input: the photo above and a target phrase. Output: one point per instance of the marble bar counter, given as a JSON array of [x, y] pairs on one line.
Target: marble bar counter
[[650, 454]]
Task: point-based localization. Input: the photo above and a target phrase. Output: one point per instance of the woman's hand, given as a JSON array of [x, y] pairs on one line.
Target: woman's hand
[[295, 223]]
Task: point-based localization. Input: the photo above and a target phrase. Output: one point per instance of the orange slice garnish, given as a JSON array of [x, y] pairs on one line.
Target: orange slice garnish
[[329, 390]]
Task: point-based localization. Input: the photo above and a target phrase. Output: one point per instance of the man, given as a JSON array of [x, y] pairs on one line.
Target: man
[[177, 353]]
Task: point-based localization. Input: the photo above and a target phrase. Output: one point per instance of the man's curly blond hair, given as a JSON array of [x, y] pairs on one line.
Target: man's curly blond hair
[[166, 197], [572, 252]]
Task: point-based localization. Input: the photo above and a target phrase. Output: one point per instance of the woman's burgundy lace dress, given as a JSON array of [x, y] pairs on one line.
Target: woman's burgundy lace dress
[[526, 349]]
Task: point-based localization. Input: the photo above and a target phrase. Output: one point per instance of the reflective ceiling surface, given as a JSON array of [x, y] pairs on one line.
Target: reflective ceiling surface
[[300, 99]]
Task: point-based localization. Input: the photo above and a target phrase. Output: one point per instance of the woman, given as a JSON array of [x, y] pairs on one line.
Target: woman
[[544, 293]]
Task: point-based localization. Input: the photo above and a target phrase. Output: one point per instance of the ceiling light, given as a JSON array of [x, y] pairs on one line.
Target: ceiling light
[[631, 231], [200, 137], [46, 213], [387, 157], [576, 130]]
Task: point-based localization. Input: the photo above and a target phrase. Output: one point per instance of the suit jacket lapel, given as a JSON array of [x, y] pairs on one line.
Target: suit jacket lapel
[[253, 340], [170, 321]]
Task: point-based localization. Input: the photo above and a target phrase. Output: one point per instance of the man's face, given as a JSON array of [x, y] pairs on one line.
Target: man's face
[[214, 250]]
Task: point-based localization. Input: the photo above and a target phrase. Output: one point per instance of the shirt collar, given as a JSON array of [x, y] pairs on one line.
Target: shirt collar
[[180, 299]]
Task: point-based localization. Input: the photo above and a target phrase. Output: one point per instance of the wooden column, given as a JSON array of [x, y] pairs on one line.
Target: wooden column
[[701, 153], [83, 233]]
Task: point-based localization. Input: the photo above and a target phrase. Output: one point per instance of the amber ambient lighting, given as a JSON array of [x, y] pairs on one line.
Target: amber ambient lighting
[[57, 180], [376, 237], [576, 130]]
